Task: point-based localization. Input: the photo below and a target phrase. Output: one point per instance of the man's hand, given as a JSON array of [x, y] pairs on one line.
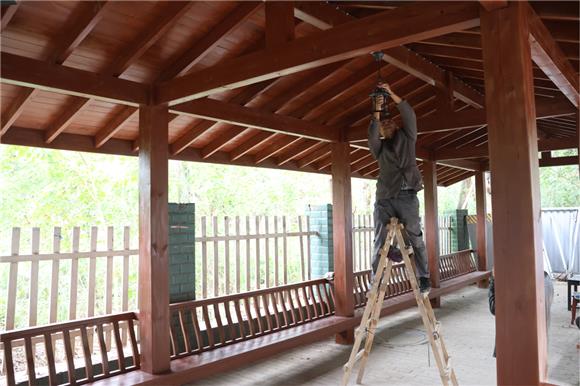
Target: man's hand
[[387, 88], [379, 103]]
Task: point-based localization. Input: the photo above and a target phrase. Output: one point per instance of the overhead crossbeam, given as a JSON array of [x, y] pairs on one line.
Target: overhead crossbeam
[[406, 24]]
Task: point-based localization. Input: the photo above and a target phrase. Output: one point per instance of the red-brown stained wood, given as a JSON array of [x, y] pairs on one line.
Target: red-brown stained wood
[[547, 54], [342, 42], [279, 22], [153, 235], [431, 223], [342, 235], [480, 202], [519, 280]]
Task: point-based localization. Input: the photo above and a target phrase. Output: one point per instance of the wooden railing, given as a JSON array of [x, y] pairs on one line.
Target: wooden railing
[[457, 264], [42, 363], [202, 325]]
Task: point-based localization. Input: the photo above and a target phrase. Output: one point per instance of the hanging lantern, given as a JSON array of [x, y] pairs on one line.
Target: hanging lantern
[[378, 91]]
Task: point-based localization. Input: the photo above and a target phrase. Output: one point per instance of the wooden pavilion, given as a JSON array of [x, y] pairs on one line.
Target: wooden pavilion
[[285, 85]]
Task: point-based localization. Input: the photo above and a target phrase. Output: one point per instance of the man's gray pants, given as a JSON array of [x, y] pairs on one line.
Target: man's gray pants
[[406, 208]]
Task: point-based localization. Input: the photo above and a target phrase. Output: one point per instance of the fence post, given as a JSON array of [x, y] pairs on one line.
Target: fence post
[[321, 247], [460, 234], [181, 252]]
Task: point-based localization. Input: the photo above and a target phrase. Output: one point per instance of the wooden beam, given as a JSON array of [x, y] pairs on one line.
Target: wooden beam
[[65, 119], [21, 71], [480, 202], [153, 239], [218, 143], [297, 151], [282, 142], [325, 17], [342, 235], [259, 119], [209, 41], [559, 161], [407, 24], [7, 13], [462, 164], [466, 119], [190, 136], [432, 224], [314, 156], [519, 279], [279, 23], [548, 55], [116, 124], [491, 5]]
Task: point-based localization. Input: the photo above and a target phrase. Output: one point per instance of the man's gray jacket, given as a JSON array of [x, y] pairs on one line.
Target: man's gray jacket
[[396, 156]]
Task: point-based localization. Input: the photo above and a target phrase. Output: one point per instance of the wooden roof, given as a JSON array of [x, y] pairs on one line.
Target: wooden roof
[[279, 121]]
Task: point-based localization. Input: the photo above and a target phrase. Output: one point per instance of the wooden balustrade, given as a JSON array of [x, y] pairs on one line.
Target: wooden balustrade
[[202, 325], [91, 369], [457, 264]]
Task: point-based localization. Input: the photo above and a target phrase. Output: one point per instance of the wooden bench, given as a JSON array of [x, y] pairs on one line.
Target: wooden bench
[[218, 334]]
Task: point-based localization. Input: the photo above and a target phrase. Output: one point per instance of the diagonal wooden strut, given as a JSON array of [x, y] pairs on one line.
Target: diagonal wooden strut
[[372, 312]]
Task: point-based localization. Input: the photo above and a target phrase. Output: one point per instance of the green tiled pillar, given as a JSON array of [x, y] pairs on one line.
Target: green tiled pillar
[[321, 247], [461, 236], [181, 252]]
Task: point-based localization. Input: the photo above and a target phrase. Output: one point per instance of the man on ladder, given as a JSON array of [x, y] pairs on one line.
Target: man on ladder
[[399, 179]]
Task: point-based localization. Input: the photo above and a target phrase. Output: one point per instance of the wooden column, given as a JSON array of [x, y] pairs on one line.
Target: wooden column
[[342, 236], [432, 224], [481, 224], [153, 234], [513, 153]]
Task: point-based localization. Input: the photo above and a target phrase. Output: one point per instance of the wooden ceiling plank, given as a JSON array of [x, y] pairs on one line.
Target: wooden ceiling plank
[[280, 144], [173, 12], [223, 139], [491, 5], [116, 124], [482, 152], [279, 23], [549, 57], [250, 144], [473, 118], [15, 109], [7, 13], [82, 22], [406, 24], [210, 40], [189, 137], [297, 151], [260, 119], [462, 164], [65, 119], [455, 180], [314, 156], [21, 71]]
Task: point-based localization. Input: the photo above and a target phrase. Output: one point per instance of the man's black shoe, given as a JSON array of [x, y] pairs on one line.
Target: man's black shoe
[[424, 285]]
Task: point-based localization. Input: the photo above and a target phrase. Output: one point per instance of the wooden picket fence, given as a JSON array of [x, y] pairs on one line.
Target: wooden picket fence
[[244, 254], [363, 238]]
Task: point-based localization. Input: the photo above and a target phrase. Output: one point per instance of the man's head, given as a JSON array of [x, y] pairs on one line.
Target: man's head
[[388, 128]]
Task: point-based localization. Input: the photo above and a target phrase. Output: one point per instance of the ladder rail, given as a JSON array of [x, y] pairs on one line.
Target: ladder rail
[[371, 315]]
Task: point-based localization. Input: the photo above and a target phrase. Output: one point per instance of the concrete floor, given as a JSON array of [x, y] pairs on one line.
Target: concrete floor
[[400, 356]]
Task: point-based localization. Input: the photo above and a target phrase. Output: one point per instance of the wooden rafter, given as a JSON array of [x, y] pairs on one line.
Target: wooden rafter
[[324, 17], [341, 42], [7, 13], [209, 41], [116, 124], [491, 5], [83, 20], [549, 57]]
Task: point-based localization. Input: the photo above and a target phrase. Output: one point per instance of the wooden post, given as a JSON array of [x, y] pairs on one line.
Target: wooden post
[[481, 224], [342, 236], [432, 224], [153, 235], [513, 153]]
